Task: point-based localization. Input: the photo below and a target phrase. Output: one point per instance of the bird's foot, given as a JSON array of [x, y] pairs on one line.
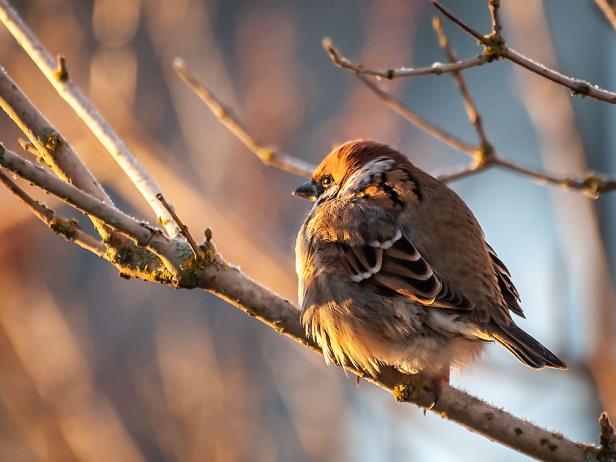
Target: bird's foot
[[424, 390], [437, 385]]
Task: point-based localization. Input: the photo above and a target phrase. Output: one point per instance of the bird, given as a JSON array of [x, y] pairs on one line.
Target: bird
[[394, 270]]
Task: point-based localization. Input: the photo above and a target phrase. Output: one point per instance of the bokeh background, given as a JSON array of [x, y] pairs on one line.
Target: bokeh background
[[94, 367]]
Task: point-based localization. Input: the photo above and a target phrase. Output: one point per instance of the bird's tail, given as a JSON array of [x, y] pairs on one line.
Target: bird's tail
[[524, 347]]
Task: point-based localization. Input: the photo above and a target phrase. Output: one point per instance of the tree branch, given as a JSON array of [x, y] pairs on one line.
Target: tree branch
[[497, 27], [495, 48], [591, 184], [144, 235], [159, 258], [217, 276], [463, 172], [608, 10], [75, 98], [183, 228], [435, 131], [69, 229], [54, 150], [269, 155], [435, 68], [607, 439], [469, 104]]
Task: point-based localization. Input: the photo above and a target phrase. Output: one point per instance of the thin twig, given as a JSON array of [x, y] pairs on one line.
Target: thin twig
[[61, 72], [465, 27], [230, 284], [143, 234], [577, 86], [494, 6], [86, 111], [397, 106], [434, 69], [51, 147], [608, 10], [183, 228], [269, 155], [28, 147], [69, 229], [499, 49], [463, 173], [73, 196], [591, 184], [486, 150]]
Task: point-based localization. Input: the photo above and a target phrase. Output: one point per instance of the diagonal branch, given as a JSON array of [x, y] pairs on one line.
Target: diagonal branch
[[49, 146], [591, 184], [465, 172], [72, 94], [469, 103], [495, 48], [213, 274], [229, 283], [269, 155], [434, 69], [69, 229], [183, 228], [608, 10], [55, 150], [401, 109], [144, 235]]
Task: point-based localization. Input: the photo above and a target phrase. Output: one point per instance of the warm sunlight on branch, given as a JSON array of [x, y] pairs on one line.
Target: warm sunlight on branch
[[170, 256]]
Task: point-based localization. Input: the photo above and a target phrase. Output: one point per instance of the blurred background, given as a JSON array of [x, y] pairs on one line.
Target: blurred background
[[94, 367]]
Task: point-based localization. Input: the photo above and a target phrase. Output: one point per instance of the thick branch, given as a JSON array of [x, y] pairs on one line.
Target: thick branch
[[231, 284], [56, 151], [183, 228], [130, 260], [75, 98], [269, 155], [215, 275]]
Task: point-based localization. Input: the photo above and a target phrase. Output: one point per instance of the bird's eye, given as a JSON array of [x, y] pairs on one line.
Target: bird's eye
[[326, 181]]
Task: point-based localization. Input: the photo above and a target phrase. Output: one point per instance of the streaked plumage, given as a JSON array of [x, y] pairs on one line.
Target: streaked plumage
[[394, 270]]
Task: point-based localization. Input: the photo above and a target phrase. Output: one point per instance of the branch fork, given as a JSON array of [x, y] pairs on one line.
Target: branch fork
[[172, 256]]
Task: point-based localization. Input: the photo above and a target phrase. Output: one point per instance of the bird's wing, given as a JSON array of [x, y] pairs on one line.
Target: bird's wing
[[395, 265], [510, 293]]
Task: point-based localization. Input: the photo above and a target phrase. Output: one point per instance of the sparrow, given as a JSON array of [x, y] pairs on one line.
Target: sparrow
[[394, 270]]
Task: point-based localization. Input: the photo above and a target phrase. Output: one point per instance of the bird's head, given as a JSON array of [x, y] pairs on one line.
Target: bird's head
[[353, 167]]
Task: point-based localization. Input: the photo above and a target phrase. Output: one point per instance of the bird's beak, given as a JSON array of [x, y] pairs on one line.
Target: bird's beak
[[307, 190]]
